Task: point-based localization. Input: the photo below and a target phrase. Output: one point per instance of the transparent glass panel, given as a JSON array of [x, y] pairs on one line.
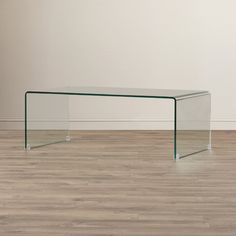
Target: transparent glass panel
[[125, 92], [46, 119], [192, 125]]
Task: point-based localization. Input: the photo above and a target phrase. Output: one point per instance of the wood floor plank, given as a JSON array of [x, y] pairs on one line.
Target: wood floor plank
[[111, 183]]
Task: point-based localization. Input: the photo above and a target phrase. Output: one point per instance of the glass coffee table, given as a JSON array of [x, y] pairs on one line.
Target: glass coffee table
[[47, 115]]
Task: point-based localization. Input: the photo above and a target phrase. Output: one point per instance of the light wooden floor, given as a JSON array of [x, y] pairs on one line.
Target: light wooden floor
[[111, 183]]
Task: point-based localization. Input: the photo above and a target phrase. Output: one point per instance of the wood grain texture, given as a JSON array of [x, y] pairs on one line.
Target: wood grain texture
[[111, 183]]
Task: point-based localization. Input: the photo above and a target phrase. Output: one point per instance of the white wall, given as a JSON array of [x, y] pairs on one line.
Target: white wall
[[178, 44]]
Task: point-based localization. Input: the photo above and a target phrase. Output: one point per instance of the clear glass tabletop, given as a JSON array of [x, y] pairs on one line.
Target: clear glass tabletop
[[126, 92]]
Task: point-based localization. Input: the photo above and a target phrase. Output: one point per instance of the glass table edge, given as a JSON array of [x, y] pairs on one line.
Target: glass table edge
[[200, 93]]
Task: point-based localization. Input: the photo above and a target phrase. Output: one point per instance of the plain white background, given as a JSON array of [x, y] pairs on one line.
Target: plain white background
[[178, 44]]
